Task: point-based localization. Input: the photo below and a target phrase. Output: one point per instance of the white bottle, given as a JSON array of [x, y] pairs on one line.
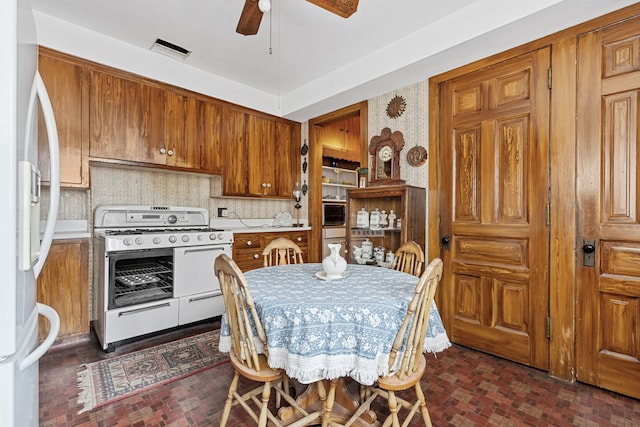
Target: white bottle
[[374, 220], [362, 218]]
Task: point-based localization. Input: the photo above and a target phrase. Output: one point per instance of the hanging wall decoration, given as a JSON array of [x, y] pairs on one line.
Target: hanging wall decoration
[[417, 156], [396, 107]]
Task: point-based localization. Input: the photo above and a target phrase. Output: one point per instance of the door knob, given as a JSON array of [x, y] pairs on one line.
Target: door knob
[[589, 256], [445, 239]]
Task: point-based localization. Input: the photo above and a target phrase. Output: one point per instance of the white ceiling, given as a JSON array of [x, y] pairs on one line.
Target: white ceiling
[[304, 61]]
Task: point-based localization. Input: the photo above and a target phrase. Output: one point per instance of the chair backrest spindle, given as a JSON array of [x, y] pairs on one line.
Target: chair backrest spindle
[[281, 251], [409, 258], [413, 330]]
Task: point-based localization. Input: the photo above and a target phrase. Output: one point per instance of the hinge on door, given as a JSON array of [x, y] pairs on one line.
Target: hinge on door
[[548, 327], [548, 214], [549, 77]]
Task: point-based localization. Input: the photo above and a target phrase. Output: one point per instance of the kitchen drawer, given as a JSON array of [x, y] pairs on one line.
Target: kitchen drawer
[[201, 306], [129, 322], [247, 241]]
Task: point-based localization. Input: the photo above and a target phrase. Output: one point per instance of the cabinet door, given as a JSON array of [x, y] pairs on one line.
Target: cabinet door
[[192, 133], [235, 153], [64, 285], [210, 134], [352, 137], [64, 81], [262, 156], [126, 119], [287, 158]]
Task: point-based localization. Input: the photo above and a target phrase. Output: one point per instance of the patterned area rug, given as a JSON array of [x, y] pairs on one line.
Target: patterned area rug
[[106, 381]]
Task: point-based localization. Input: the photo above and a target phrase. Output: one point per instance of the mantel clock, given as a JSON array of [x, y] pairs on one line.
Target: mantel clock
[[385, 157]]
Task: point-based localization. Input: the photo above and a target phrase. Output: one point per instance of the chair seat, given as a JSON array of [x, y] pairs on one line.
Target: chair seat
[[395, 383], [265, 373]]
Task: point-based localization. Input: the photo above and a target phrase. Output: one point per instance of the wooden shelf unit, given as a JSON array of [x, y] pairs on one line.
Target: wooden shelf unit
[[407, 202]]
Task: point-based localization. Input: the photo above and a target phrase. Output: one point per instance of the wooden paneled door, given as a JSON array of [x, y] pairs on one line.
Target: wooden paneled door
[[494, 181], [608, 246]]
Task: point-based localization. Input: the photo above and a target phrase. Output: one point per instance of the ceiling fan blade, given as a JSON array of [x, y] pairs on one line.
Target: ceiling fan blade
[[344, 8], [249, 19]]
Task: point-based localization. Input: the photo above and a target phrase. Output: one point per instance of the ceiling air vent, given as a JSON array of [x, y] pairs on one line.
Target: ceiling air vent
[[166, 48]]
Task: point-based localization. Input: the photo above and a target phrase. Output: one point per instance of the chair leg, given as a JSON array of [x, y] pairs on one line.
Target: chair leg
[[229, 402], [266, 393], [393, 409], [423, 405], [327, 400]]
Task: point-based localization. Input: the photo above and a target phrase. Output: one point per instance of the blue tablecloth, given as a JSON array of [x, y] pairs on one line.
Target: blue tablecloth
[[318, 329]]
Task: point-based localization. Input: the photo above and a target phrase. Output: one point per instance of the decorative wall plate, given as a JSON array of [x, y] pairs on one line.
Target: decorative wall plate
[[396, 107], [417, 156]]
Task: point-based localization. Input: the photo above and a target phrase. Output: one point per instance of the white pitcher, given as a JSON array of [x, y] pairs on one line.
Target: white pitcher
[[334, 264]]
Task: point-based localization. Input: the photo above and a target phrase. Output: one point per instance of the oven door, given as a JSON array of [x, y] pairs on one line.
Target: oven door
[[195, 283]]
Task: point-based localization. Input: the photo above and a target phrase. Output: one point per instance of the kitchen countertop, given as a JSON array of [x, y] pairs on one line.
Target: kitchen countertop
[[68, 229], [254, 225]]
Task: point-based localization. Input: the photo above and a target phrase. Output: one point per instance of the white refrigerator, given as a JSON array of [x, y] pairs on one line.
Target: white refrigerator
[[22, 254]]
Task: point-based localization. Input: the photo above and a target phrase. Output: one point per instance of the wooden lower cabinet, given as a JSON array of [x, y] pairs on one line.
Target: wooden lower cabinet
[[248, 247], [63, 284]]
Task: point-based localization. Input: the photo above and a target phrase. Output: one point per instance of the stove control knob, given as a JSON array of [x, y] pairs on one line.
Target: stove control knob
[[185, 238], [172, 219], [220, 236], [200, 237], [172, 239], [139, 240], [156, 240], [212, 236], [127, 242]]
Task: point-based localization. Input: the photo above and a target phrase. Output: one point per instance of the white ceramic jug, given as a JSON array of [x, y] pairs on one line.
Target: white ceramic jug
[[334, 264]]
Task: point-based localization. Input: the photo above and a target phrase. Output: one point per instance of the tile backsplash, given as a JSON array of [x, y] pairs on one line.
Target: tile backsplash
[[141, 186]]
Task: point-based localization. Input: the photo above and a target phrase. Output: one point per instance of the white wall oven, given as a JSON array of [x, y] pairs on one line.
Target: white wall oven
[[153, 269]]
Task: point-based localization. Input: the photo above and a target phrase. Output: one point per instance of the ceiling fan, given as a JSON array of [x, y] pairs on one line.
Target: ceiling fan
[[253, 10]]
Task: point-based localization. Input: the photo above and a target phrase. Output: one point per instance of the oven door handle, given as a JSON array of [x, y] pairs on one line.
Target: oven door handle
[[143, 309], [208, 248]]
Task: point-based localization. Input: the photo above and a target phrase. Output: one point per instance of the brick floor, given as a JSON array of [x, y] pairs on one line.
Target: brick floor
[[463, 388]]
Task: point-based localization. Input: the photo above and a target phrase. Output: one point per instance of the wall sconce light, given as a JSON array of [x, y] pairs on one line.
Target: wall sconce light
[[297, 196]]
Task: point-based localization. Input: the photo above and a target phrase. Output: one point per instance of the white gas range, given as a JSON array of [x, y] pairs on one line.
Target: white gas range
[[153, 269]]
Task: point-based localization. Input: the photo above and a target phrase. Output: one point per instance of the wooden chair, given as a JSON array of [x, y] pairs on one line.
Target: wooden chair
[[282, 251], [409, 258], [407, 371], [244, 356]]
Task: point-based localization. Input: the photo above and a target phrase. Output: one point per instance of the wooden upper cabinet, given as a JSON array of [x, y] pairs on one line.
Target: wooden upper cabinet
[[287, 157], [341, 138], [259, 155], [65, 84], [193, 129], [126, 119], [235, 153]]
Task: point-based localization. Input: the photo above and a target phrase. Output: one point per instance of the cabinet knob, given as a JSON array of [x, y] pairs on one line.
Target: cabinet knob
[[170, 152], [249, 243], [163, 150], [299, 239], [256, 256]]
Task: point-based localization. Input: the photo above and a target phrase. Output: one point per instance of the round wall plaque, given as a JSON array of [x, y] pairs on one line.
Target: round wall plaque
[[417, 156]]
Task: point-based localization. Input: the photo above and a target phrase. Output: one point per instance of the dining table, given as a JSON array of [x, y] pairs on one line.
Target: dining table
[[326, 328]]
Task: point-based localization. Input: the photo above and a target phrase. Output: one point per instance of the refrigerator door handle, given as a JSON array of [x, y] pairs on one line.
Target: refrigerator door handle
[[54, 328], [39, 91]]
